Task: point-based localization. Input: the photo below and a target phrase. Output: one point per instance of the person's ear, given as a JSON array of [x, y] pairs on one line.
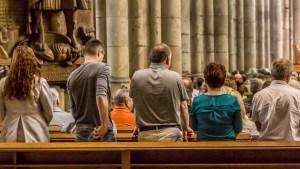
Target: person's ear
[[58, 102]]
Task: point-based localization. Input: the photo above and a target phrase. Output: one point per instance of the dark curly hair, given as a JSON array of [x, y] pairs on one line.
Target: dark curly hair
[[22, 74]]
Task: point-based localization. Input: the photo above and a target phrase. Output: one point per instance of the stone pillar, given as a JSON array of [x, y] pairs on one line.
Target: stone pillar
[[267, 34], [139, 59], [240, 34], [197, 36], [209, 45], [285, 8], [221, 32], [296, 12], [155, 22], [171, 31], [276, 30], [186, 35], [260, 18], [100, 19], [249, 34], [117, 42], [232, 36]]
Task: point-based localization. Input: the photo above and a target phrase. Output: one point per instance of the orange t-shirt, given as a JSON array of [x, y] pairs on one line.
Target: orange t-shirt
[[122, 116]]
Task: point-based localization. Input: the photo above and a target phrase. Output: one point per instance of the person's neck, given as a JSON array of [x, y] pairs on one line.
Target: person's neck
[[214, 91], [88, 59]]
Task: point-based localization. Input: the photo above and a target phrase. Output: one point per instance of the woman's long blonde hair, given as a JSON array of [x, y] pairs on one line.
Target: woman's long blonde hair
[[22, 73]]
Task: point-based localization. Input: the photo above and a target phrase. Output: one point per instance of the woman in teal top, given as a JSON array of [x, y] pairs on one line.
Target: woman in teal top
[[216, 116]]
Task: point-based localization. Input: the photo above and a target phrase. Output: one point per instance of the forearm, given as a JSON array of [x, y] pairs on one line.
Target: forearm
[[184, 114], [102, 104]]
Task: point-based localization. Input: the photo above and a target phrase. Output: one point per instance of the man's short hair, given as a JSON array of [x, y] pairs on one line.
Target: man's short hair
[[120, 96], [159, 53], [256, 85], [92, 46], [215, 74], [55, 95], [281, 68]]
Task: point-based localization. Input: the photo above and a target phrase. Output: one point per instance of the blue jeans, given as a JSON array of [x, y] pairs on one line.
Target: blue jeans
[[88, 136]]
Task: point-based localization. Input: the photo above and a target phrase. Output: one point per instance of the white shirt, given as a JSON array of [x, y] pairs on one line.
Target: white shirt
[[277, 108]]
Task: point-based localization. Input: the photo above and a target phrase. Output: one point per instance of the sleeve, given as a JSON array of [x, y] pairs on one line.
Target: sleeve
[[71, 99], [2, 105], [103, 81], [254, 109], [193, 117], [46, 100], [237, 121], [183, 94]]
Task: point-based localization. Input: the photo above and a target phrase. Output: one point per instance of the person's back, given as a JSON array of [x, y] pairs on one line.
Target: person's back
[[89, 92], [276, 109], [157, 90], [160, 100]]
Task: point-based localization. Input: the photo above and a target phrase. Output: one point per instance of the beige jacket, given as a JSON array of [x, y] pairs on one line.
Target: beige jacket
[[26, 120]]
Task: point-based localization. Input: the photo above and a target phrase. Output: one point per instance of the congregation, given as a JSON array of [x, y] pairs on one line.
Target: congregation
[[162, 105]]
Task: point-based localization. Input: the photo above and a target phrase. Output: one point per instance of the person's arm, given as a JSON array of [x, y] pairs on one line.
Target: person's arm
[[102, 95], [46, 101], [255, 113], [102, 104], [237, 121], [193, 118], [184, 114]]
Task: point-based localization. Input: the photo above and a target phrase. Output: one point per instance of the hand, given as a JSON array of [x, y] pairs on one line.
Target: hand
[[187, 133], [135, 133], [100, 132]]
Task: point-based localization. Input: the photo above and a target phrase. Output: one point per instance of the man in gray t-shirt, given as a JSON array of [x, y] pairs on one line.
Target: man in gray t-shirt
[[89, 92], [160, 100]]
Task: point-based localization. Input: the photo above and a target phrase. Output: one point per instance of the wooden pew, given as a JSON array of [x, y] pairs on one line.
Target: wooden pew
[[127, 137], [220, 155]]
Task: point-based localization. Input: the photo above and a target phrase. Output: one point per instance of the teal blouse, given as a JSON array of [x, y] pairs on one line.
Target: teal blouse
[[216, 118]]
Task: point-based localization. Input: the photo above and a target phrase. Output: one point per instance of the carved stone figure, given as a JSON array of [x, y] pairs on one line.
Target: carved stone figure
[[36, 9], [3, 40]]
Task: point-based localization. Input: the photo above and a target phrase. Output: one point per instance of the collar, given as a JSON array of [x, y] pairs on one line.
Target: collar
[[56, 109], [281, 82], [158, 65]]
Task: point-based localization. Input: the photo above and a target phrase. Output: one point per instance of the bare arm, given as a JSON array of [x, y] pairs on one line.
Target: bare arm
[[184, 114], [102, 104]]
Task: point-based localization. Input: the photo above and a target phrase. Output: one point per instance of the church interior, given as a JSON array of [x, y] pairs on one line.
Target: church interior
[[246, 37]]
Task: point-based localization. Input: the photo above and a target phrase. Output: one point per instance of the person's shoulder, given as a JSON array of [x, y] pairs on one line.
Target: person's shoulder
[[139, 73]]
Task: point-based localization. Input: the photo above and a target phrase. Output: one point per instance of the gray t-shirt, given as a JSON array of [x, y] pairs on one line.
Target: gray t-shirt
[[84, 85], [157, 93]]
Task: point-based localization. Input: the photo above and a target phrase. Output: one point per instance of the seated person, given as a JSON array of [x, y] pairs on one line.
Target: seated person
[[122, 113], [216, 116], [255, 86], [60, 117]]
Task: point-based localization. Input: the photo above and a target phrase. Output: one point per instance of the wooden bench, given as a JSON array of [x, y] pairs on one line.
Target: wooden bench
[[127, 137], [221, 155]]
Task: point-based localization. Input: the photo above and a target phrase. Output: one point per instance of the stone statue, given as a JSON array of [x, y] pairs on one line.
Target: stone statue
[[36, 10], [3, 40]]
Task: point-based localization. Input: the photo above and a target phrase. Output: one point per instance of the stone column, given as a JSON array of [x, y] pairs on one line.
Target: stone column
[[186, 35], [250, 34], [285, 8], [140, 37], [221, 32], [276, 30], [260, 16], [155, 22], [267, 34], [100, 19], [240, 34], [209, 44], [197, 36], [171, 31], [296, 12], [117, 42], [232, 36]]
